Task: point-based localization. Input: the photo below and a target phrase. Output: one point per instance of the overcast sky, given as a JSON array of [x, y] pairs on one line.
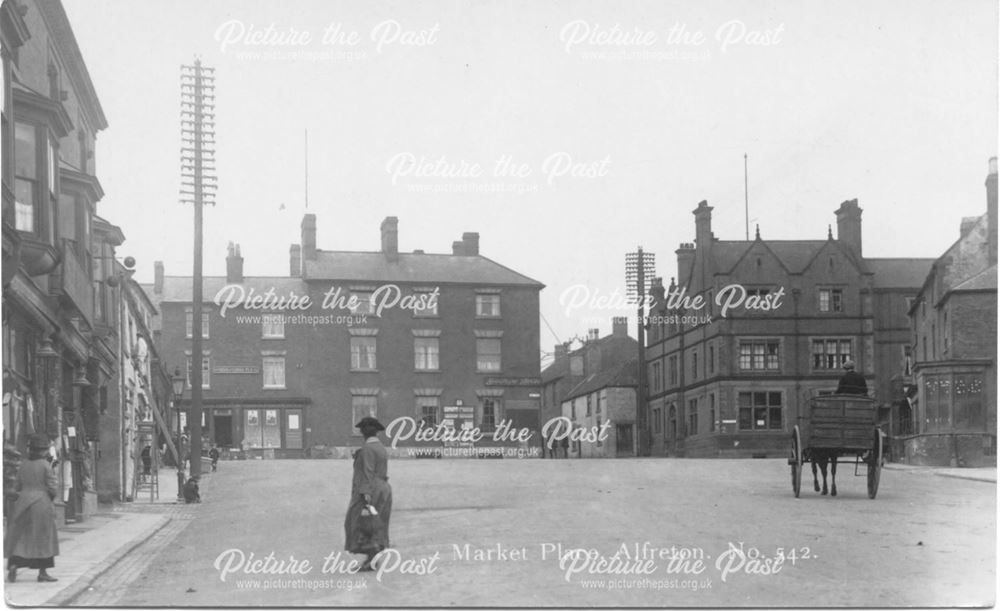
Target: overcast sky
[[619, 119]]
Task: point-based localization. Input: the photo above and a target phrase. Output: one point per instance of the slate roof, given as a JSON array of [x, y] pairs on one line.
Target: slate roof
[[412, 267], [625, 375], [560, 367], [899, 273], [179, 288], [983, 281], [795, 255]]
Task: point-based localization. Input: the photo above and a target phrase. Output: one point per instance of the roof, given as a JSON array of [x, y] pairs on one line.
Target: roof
[[412, 267], [983, 281], [560, 367], [899, 273], [179, 288], [795, 255], [625, 375]]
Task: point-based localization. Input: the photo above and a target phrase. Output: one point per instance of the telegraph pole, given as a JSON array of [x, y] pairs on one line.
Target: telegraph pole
[[198, 184], [635, 284]]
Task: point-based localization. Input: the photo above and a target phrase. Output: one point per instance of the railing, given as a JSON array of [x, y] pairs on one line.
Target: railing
[[73, 282]]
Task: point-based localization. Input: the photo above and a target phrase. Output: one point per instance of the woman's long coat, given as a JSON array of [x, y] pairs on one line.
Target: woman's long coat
[[371, 464], [31, 526]]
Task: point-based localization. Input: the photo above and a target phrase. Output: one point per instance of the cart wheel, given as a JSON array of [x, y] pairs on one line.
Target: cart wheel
[[875, 465], [795, 461]]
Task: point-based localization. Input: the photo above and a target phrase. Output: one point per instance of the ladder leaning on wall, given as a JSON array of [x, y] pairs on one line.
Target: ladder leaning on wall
[[142, 482]]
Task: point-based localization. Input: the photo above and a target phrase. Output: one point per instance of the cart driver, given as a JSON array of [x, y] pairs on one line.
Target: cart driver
[[852, 382]]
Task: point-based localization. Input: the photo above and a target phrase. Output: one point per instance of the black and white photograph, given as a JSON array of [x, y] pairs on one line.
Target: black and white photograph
[[496, 303]]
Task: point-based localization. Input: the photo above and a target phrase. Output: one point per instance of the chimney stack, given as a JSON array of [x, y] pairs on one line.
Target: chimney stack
[[158, 277], [309, 237], [593, 334], [991, 209], [471, 241], [619, 326], [390, 238], [849, 225], [703, 224], [685, 262], [458, 247], [234, 265], [295, 261], [561, 351]]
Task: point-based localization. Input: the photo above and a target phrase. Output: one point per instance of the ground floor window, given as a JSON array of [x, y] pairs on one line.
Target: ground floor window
[[952, 401], [692, 417], [489, 413], [427, 410], [261, 429], [760, 411]]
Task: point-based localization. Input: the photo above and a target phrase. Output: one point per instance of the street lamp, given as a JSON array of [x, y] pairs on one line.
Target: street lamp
[[178, 382]]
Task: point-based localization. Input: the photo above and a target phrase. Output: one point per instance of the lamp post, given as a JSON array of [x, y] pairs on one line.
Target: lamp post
[[177, 385]]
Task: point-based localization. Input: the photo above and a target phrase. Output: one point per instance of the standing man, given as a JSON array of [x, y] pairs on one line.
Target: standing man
[[366, 531], [852, 382]]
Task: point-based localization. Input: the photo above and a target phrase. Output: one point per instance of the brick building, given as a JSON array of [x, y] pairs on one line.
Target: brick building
[[777, 319], [954, 347], [59, 332], [430, 337]]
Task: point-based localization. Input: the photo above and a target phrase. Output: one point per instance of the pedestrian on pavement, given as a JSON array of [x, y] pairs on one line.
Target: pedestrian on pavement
[[367, 532], [852, 382], [147, 460], [32, 540], [565, 446], [214, 455]]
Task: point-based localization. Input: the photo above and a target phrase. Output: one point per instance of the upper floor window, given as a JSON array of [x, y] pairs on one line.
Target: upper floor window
[[274, 371], [363, 353], [694, 365], [831, 300], [759, 355], [672, 367], [273, 326], [206, 372], [830, 353], [430, 302], [711, 358], [488, 306], [25, 178], [363, 303], [488, 354], [189, 323], [425, 353]]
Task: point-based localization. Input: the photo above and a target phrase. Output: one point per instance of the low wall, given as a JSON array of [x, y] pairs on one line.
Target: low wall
[[950, 450]]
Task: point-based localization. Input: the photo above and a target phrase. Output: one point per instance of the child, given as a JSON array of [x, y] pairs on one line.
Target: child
[[214, 455], [191, 494]]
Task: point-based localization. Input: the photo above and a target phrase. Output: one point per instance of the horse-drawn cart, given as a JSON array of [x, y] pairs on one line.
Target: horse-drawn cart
[[836, 426]]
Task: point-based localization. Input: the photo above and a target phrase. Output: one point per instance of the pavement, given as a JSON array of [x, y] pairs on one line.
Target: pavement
[[103, 561], [87, 549]]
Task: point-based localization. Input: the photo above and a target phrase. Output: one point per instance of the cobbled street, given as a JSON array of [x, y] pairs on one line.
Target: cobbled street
[[485, 532]]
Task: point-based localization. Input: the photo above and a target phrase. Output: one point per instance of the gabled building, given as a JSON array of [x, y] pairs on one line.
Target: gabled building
[[433, 338], [603, 405], [569, 367], [776, 321], [954, 347]]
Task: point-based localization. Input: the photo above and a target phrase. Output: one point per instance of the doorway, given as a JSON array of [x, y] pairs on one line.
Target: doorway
[[223, 427], [624, 443]]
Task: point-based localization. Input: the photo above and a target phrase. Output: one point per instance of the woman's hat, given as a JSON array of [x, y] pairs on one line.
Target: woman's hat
[[38, 442], [371, 422], [848, 364]]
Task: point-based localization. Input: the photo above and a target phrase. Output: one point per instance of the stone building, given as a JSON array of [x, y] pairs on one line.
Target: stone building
[[602, 407], [954, 347], [425, 338], [751, 329]]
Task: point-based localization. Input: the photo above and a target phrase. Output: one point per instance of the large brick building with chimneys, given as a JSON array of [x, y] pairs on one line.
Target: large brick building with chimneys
[[732, 381], [431, 337]]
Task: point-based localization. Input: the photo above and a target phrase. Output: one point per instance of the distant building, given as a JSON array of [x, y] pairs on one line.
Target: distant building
[[570, 368], [954, 348], [437, 338], [777, 321], [602, 407]]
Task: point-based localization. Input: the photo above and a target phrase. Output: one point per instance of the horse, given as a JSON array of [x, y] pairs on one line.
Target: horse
[[821, 457]]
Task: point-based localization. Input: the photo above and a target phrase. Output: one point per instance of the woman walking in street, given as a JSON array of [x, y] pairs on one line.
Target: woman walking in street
[[32, 541], [366, 531]]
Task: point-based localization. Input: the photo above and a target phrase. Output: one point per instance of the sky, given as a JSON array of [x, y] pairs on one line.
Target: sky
[[566, 133]]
